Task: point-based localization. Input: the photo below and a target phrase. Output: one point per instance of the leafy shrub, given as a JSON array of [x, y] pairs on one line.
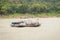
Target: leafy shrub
[[37, 8], [29, 6], [22, 9]]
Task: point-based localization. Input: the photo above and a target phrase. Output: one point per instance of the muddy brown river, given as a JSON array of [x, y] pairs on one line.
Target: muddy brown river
[[48, 30]]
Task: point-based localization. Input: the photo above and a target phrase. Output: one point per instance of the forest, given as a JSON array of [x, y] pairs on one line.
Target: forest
[[29, 6]]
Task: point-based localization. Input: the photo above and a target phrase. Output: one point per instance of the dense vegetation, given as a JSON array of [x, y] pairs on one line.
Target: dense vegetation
[[29, 6]]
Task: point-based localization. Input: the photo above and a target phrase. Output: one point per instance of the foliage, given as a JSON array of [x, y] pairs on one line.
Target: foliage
[[29, 6]]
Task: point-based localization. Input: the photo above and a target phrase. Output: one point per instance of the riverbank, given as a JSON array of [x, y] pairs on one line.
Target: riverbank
[[27, 15]]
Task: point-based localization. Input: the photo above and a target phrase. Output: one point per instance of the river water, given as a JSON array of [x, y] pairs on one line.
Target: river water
[[48, 30]]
